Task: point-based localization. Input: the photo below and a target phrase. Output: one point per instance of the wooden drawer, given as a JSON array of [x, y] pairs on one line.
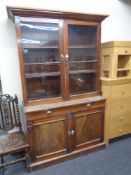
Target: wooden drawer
[[121, 91], [52, 112], [120, 118], [120, 130], [123, 51], [120, 105]]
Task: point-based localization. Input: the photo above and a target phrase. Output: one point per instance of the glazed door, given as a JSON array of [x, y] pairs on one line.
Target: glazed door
[[89, 128], [59, 58], [81, 52], [41, 58]]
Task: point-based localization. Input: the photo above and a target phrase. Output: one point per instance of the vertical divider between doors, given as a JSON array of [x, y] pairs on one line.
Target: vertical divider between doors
[[66, 61], [63, 90], [70, 132]]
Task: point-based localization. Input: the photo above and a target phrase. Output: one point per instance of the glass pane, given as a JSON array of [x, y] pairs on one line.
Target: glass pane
[[82, 35], [82, 58], [41, 59], [43, 87], [85, 67], [82, 83], [82, 54], [36, 35]]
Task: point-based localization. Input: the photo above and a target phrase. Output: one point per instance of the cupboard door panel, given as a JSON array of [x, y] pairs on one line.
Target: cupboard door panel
[[50, 138], [88, 128]]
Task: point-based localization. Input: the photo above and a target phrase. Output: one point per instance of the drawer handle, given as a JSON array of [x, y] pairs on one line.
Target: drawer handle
[[121, 118], [121, 106], [120, 130], [71, 133], [49, 111], [126, 51], [122, 92], [88, 104]]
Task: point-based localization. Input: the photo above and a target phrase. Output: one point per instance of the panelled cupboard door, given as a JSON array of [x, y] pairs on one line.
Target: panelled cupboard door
[[89, 128], [59, 135], [48, 138]]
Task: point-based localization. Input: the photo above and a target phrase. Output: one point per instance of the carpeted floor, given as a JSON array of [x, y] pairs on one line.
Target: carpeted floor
[[113, 160]]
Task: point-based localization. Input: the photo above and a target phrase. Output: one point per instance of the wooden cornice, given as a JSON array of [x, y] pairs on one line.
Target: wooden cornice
[[22, 11]]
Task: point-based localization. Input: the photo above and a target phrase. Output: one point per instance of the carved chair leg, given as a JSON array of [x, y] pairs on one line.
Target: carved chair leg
[[2, 166], [28, 160], [2, 171]]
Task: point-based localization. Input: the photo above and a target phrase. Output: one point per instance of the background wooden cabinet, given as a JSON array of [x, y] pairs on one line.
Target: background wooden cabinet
[[118, 111], [116, 60], [59, 55], [116, 87]]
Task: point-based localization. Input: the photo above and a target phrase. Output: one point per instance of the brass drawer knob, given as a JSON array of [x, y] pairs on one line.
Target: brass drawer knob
[[48, 111], [88, 104]]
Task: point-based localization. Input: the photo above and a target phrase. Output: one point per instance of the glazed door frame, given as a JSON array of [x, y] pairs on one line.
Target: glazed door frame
[[18, 21], [66, 56]]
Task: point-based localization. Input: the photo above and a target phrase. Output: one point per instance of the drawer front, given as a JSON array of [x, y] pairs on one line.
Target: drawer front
[[121, 91], [60, 111], [120, 118], [123, 51], [120, 130], [120, 105]]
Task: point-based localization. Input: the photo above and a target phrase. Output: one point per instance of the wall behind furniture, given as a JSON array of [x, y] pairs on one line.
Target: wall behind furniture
[[116, 27]]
